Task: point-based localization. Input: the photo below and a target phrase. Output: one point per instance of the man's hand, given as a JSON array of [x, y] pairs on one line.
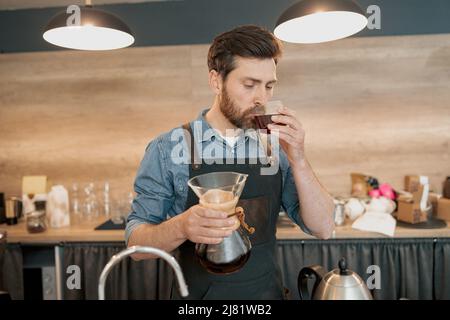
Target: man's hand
[[202, 225], [291, 134]]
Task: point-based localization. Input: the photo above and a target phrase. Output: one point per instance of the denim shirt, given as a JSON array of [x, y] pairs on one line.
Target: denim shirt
[[161, 183]]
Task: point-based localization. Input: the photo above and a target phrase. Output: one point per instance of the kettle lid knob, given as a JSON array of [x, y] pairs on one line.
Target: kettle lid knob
[[343, 270]]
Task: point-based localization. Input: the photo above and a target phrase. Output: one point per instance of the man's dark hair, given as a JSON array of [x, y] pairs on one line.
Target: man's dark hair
[[249, 41]]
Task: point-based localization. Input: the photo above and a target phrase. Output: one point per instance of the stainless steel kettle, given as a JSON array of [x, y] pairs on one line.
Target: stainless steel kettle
[[338, 284]]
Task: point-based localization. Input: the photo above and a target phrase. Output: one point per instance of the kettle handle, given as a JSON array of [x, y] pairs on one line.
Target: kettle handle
[[302, 281]]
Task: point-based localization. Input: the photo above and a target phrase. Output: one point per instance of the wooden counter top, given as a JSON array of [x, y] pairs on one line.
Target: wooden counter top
[[85, 233], [347, 232]]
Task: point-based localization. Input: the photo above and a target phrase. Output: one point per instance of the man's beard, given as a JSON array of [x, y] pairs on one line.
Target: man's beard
[[231, 112]]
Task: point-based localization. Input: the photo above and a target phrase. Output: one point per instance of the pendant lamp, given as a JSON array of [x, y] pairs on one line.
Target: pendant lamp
[[94, 30], [316, 21]]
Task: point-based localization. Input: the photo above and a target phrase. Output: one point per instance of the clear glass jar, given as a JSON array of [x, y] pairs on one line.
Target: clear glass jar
[[36, 221], [339, 213]]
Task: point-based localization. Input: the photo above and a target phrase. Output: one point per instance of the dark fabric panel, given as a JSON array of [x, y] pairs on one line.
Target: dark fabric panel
[[406, 265], [11, 271], [150, 279], [442, 269]]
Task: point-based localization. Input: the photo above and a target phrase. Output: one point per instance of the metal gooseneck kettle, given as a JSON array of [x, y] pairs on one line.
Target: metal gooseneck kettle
[[338, 284]]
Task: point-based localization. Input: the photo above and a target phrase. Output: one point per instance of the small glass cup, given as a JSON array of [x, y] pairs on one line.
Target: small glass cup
[[36, 221], [264, 117], [119, 211], [116, 212], [75, 205]]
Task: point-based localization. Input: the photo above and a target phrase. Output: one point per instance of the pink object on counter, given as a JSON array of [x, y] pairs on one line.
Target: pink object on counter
[[387, 191], [375, 193]]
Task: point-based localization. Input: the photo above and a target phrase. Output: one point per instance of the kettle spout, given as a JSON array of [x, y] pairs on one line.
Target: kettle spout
[[141, 249]]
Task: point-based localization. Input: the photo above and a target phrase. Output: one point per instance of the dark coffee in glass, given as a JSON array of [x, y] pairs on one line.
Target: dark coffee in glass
[[262, 121], [265, 118], [220, 268]]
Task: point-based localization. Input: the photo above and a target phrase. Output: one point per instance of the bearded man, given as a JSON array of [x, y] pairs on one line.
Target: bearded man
[[165, 213]]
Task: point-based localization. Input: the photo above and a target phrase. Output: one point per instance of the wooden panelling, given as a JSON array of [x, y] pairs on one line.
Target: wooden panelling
[[374, 105]]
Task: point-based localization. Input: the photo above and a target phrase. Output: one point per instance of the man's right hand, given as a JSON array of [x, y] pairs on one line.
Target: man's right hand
[[202, 225]]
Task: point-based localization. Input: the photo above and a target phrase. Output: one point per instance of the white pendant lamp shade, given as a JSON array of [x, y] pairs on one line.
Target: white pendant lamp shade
[[315, 21], [97, 30]]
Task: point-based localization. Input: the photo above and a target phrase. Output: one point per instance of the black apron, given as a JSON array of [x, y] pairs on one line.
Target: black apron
[[260, 277]]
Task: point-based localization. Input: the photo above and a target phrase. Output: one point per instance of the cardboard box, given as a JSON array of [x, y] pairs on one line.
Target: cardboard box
[[409, 209], [433, 199], [443, 209], [412, 183], [360, 188], [410, 212]]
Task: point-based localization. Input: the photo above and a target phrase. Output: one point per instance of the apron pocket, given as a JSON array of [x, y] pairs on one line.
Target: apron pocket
[[257, 215], [266, 287]]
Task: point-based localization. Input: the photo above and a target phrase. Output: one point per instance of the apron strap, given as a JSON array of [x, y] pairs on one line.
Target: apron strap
[[189, 135]]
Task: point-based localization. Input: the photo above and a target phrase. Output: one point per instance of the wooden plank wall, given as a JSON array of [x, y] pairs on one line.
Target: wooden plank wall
[[375, 105]]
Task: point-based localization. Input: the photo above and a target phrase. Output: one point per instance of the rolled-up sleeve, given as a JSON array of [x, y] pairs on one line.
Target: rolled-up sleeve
[[290, 200], [153, 187]]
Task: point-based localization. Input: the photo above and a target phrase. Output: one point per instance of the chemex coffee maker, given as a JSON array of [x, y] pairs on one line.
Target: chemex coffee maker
[[221, 191], [338, 284]]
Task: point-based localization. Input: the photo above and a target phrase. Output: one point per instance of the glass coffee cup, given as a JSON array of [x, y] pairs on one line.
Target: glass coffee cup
[[264, 115], [262, 118]]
